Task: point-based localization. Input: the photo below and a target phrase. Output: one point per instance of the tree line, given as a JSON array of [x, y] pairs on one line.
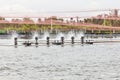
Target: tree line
[[106, 22]]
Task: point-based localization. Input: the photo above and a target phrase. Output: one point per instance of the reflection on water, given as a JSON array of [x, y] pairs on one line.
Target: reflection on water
[[88, 62]]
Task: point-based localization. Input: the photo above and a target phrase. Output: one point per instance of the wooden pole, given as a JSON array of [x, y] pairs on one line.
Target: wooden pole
[[15, 41], [36, 41], [48, 40], [82, 40], [62, 40], [72, 40]]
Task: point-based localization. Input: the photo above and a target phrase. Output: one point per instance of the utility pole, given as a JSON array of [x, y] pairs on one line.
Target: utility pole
[[104, 23], [51, 25]]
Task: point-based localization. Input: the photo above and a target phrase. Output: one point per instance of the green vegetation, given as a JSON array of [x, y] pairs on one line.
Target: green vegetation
[[106, 22], [32, 27], [26, 28]]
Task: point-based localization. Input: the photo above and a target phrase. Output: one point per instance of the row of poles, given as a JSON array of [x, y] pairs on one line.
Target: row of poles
[[48, 41], [62, 40]]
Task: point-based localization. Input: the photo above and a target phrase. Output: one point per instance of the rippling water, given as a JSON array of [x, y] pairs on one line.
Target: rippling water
[[88, 62]]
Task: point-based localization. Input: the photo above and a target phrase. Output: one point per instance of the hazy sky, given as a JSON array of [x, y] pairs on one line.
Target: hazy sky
[[55, 5]]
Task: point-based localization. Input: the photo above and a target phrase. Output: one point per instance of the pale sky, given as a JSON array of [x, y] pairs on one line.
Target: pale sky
[[35, 6]]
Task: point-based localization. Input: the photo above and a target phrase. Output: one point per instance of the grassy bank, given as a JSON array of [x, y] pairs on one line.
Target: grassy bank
[[28, 28]]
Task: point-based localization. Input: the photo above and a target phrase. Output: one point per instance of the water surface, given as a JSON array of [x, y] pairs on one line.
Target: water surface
[[88, 62]]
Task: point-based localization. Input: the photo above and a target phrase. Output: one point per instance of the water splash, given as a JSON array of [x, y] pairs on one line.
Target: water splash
[[14, 34], [70, 34], [79, 35], [59, 35], [35, 34], [46, 34]]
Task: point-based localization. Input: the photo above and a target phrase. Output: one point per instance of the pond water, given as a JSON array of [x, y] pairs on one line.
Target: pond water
[[88, 62]]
